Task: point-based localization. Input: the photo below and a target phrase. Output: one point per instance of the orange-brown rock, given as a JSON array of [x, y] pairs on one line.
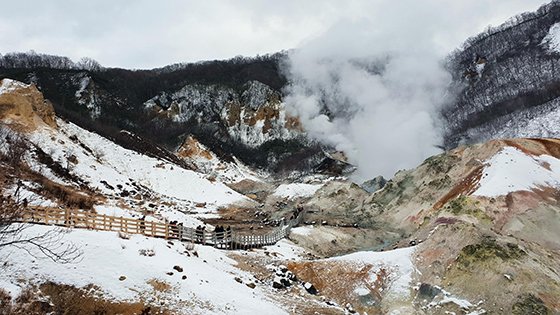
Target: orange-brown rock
[[24, 106], [192, 148]]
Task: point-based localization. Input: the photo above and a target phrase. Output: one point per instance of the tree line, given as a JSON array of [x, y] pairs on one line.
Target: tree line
[[32, 60]]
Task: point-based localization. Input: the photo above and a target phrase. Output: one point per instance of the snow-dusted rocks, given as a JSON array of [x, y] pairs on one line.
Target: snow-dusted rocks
[[552, 40], [87, 95], [252, 117], [283, 278]]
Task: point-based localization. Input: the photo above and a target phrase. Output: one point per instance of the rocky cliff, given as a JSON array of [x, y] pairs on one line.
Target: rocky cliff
[[232, 107], [24, 106]]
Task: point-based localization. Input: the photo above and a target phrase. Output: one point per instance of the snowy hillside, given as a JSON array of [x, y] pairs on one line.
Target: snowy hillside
[[173, 277], [515, 95], [512, 170], [113, 170]]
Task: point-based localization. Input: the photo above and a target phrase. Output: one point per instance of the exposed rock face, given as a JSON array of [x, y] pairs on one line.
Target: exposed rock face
[[468, 239], [232, 107], [469, 244], [253, 117], [191, 148], [340, 280], [374, 184], [88, 95], [24, 105]]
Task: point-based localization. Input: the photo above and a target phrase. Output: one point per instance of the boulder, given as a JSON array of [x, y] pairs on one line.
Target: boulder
[[375, 184], [310, 288]]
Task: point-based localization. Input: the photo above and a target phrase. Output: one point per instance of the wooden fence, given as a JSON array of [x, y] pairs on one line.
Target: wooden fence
[[228, 239]]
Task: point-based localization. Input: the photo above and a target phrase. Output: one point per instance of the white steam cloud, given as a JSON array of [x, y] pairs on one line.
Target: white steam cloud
[[381, 77], [384, 96]]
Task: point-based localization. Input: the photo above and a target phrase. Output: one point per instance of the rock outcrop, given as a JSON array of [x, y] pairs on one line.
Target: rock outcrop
[[24, 106]]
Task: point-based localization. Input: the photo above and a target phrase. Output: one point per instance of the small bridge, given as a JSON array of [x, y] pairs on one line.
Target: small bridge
[[229, 239]]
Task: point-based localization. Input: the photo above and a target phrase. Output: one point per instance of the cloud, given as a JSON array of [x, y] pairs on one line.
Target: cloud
[[373, 83], [145, 34], [373, 63]]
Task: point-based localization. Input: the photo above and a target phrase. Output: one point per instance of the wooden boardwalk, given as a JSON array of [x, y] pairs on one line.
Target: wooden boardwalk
[[230, 239]]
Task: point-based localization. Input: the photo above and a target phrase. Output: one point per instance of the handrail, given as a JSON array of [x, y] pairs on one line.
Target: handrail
[[228, 239]]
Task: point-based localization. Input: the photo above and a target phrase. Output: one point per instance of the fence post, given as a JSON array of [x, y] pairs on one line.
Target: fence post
[[66, 217], [86, 220]]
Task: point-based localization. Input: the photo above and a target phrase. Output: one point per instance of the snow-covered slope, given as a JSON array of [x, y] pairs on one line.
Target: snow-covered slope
[[296, 190], [8, 85], [208, 287], [514, 170], [106, 166], [397, 264]]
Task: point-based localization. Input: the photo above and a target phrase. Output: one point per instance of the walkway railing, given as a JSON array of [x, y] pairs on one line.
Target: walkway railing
[[228, 239]]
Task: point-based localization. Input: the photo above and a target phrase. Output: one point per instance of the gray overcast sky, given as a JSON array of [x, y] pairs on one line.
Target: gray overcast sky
[[150, 33]]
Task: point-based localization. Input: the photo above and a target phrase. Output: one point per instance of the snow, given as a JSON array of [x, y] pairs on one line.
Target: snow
[[513, 170], [285, 250], [84, 82], [210, 287], [552, 39], [115, 211], [465, 305], [86, 98], [226, 172], [296, 190], [302, 230], [362, 291], [535, 122], [198, 101], [398, 262], [25, 193], [118, 166], [9, 85]]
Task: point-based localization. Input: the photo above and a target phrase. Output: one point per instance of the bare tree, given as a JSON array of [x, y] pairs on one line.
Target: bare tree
[[89, 64], [13, 231]]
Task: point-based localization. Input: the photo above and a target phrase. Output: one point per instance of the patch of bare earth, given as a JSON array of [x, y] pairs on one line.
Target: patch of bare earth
[[294, 299], [339, 281], [53, 298]]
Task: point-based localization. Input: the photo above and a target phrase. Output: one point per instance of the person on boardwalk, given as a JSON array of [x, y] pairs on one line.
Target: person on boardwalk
[[199, 233], [142, 224], [174, 229], [203, 236], [219, 230]]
